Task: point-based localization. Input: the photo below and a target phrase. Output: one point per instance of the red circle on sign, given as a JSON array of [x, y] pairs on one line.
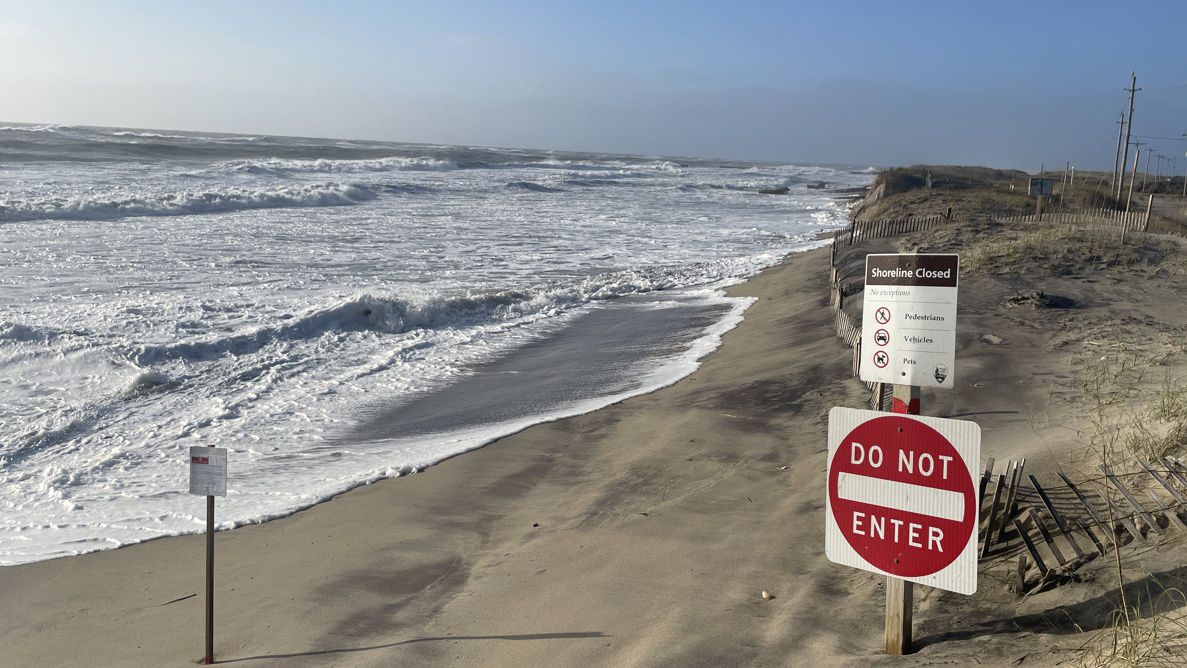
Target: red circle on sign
[[882, 315], [881, 359], [930, 505]]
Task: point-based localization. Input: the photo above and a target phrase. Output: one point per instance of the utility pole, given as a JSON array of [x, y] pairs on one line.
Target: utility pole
[[1137, 146], [1146, 171], [1137, 157], [1063, 183], [1118, 166], [1133, 88]]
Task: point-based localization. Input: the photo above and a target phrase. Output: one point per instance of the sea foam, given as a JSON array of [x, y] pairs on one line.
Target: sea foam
[[120, 204]]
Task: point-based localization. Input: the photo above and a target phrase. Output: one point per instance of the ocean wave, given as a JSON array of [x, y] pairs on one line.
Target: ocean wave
[[38, 128], [15, 331], [599, 165], [691, 187], [532, 186], [393, 315], [597, 183], [623, 167], [282, 167], [155, 135], [121, 205]]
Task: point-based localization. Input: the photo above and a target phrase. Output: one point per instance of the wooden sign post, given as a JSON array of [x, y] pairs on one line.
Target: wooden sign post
[[908, 340], [900, 593]]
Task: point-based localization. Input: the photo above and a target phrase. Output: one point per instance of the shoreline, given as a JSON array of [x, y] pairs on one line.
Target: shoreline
[[517, 470], [681, 527], [665, 371]]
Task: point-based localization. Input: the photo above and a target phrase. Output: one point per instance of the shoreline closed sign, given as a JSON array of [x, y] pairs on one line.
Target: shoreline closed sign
[[908, 324], [208, 471], [901, 498]]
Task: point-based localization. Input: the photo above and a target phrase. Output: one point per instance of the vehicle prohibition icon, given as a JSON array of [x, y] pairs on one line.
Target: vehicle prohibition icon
[[881, 359], [882, 337], [882, 315]]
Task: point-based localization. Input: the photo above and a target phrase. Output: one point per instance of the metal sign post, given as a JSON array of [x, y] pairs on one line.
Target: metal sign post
[[208, 477], [209, 580]]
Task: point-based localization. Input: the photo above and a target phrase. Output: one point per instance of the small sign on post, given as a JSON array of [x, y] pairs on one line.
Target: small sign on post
[[208, 471], [1041, 187], [208, 477], [908, 327]]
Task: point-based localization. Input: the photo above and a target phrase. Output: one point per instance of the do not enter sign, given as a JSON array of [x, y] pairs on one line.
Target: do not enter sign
[[902, 500]]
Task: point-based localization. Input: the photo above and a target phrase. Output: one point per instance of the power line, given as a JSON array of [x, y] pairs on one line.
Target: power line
[[1162, 138]]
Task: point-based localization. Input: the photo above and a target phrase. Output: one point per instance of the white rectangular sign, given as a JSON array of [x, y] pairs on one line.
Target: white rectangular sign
[[902, 496], [208, 471], [908, 322]]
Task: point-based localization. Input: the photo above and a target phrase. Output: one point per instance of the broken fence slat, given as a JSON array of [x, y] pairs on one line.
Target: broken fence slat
[[1004, 515], [1162, 481], [1174, 471], [1011, 495], [997, 492], [1059, 522], [1017, 484], [1145, 515], [985, 478], [1171, 516], [1038, 522], [1083, 500], [1030, 545], [1100, 547], [1100, 521]]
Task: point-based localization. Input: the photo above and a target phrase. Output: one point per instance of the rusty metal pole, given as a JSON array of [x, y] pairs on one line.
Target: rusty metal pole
[[209, 580]]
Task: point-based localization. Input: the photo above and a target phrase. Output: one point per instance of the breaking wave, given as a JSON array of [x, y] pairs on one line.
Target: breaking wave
[[392, 315], [280, 167], [532, 186], [117, 204]]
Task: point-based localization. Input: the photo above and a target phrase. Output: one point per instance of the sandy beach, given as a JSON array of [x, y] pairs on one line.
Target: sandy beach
[[642, 534]]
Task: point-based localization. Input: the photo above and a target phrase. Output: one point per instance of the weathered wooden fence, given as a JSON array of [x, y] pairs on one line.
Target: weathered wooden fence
[[1064, 524], [859, 231], [1126, 221]]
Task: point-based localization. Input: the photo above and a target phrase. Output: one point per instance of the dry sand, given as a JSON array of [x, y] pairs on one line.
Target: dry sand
[[641, 534]]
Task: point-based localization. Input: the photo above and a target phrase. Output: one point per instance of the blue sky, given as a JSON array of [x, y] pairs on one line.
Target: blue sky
[[1002, 83]]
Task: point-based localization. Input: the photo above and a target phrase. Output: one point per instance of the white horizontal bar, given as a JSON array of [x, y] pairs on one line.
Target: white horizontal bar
[[903, 496]]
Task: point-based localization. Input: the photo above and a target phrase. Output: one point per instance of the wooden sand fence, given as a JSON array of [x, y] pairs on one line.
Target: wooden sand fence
[[859, 231], [1063, 524], [1105, 219]]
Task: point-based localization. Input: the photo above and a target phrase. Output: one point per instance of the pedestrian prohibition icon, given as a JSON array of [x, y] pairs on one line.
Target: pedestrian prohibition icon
[[882, 315]]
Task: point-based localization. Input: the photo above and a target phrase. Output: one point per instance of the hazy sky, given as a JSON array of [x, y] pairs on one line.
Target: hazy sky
[[1001, 83]]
